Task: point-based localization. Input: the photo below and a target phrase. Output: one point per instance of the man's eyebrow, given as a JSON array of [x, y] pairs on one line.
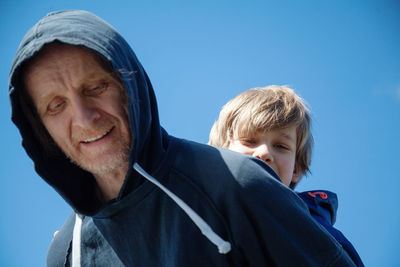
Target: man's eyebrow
[[43, 100], [95, 75]]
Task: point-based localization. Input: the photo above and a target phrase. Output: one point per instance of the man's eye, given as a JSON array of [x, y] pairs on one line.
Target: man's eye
[[96, 90], [55, 107]]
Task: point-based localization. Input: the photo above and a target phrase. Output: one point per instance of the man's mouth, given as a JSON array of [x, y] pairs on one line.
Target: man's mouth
[[93, 139]]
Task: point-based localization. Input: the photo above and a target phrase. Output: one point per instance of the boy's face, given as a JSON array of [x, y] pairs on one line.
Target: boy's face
[[276, 147]]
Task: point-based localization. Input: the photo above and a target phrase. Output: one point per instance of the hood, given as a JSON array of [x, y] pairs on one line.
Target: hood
[[81, 28], [321, 203]]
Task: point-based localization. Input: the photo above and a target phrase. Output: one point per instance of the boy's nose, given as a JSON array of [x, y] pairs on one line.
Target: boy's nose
[[262, 152]]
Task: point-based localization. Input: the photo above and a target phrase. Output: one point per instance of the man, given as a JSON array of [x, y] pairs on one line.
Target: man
[[88, 119]]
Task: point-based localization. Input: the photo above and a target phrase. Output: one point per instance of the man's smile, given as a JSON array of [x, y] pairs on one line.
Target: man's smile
[[98, 137]]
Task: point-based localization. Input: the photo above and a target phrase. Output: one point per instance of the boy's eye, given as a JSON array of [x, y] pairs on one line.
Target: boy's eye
[[248, 141], [282, 146]]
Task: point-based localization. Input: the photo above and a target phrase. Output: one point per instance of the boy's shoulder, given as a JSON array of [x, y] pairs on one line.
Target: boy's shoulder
[[323, 207], [321, 203]]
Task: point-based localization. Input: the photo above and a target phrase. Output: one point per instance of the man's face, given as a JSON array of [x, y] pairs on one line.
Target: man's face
[[82, 107], [276, 147]]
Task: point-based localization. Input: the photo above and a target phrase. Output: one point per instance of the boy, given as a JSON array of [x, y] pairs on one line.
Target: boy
[[274, 125]]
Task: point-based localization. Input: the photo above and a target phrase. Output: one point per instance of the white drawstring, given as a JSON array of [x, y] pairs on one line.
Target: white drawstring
[[223, 246], [76, 242]]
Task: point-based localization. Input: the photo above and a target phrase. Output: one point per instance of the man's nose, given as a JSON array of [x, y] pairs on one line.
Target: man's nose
[[84, 114], [263, 152]]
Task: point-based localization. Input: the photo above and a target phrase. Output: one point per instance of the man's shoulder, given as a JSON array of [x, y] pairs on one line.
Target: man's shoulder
[[204, 162], [61, 243]]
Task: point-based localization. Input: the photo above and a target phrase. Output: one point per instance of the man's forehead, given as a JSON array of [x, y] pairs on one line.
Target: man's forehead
[[66, 58], [58, 64], [54, 51]]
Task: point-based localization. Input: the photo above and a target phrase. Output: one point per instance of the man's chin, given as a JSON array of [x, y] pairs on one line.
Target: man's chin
[[106, 164]]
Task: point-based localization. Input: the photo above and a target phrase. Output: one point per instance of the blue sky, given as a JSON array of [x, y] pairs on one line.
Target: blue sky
[[342, 56]]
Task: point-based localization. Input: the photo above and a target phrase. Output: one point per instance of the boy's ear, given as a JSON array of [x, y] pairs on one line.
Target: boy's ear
[[296, 174]]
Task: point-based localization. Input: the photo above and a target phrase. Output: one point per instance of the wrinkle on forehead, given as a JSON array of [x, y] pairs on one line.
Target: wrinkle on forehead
[[49, 57], [62, 73]]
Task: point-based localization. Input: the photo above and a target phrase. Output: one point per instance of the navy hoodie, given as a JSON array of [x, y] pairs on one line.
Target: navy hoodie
[[323, 207], [237, 203]]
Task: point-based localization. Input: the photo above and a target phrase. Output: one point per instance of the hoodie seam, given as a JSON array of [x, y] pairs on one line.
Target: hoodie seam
[[152, 188], [336, 258]]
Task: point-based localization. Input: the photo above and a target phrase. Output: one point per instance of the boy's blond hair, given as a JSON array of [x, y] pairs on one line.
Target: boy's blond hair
[[264, 109]]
